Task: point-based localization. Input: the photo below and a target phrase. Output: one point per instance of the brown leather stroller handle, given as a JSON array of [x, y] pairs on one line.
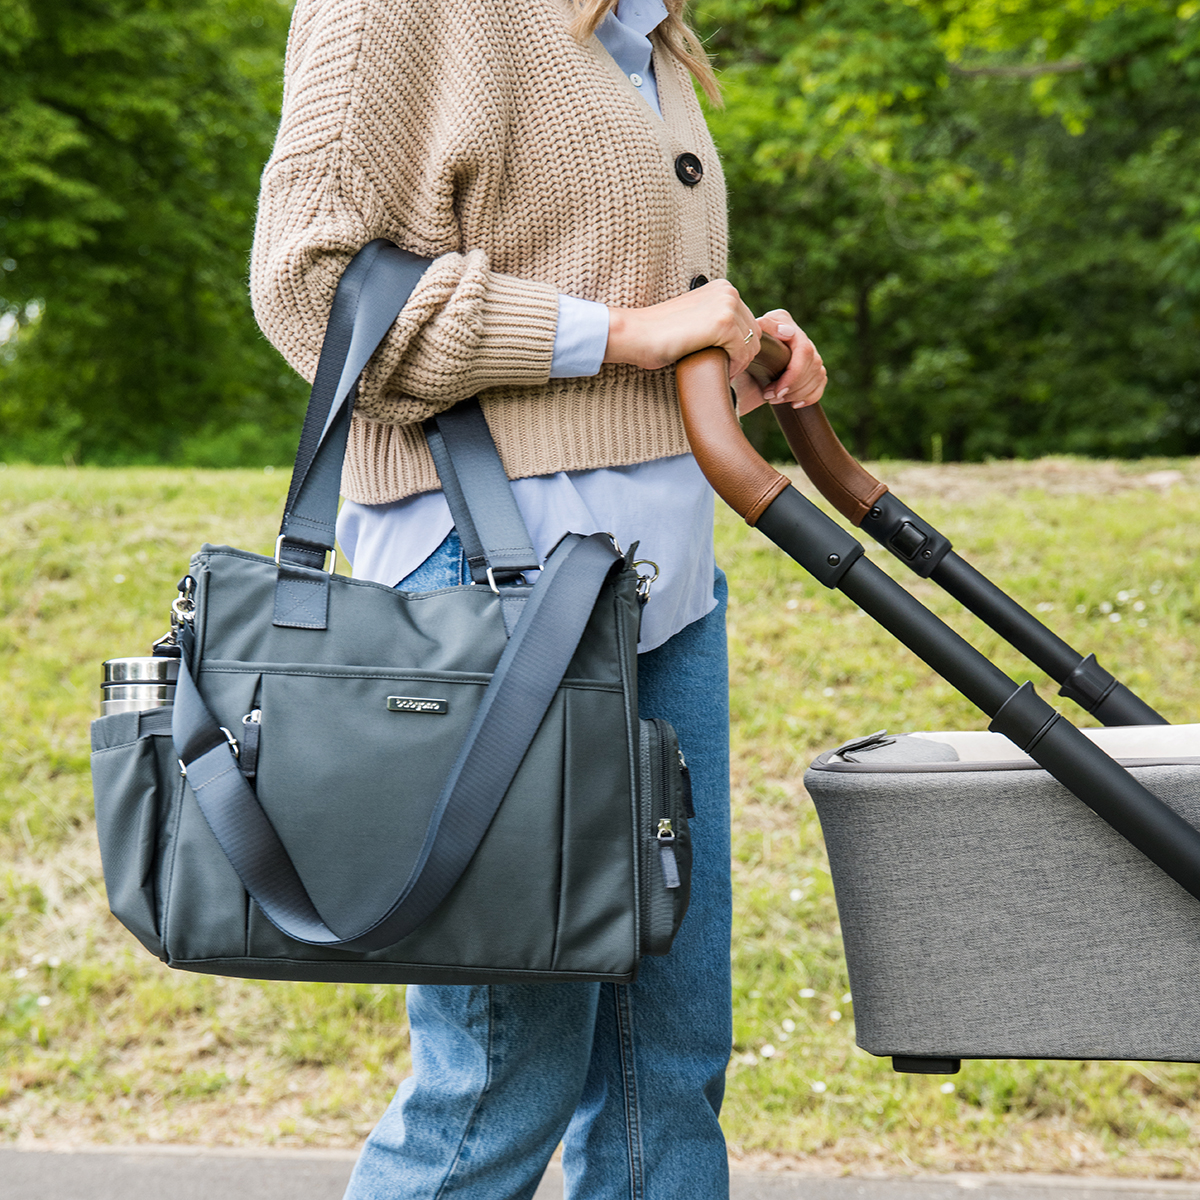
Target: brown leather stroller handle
[[735, 469], [738, 474], [838, 476], [866, 502]]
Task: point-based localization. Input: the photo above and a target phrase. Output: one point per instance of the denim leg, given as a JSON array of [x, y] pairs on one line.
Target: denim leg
[[630, 1078], [646, 1127], [497, 1073], [445, 567]]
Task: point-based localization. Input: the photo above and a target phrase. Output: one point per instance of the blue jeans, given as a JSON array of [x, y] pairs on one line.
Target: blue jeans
[[628, 1077]]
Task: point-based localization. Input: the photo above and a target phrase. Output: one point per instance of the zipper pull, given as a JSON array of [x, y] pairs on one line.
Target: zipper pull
[[666, 853], [686, 775], [251, 727]]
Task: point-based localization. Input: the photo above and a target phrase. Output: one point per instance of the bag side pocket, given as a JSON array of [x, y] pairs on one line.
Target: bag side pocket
[[665, 838], [132, 781]]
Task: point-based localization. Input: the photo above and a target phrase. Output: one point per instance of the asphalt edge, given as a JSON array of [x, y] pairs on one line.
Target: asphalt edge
[[966, 1180]]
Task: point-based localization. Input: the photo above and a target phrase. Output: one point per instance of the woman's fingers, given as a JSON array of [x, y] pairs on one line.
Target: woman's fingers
[[745, 335], [803, 381], [715, 315], [720, 317]]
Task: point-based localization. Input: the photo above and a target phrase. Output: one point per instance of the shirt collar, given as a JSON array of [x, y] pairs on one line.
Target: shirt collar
[[641, 16]]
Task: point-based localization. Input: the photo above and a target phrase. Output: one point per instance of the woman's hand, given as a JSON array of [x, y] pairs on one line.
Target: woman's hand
[[801, 384], [714, 315], [657, 336]]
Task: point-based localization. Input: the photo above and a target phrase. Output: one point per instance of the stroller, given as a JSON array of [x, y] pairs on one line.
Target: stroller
[[986, 912]]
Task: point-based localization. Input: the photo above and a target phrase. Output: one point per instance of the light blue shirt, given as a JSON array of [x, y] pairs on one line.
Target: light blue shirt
[[666, 505]]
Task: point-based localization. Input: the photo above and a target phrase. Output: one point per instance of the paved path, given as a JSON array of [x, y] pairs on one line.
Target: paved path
[[183, 1173]]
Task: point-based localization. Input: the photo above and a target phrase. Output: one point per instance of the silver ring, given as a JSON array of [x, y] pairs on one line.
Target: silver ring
[[748, 338]]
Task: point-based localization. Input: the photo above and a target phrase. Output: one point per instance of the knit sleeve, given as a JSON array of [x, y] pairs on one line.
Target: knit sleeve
[[384, 105]]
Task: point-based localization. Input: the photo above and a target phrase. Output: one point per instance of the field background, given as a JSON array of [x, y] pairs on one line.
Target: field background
[[101, 1043]]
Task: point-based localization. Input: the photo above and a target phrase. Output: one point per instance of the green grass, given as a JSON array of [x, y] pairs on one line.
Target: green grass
[[100, 1042]]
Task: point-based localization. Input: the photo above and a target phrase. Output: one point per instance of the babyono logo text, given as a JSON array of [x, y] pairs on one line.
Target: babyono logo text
[[416, 704]]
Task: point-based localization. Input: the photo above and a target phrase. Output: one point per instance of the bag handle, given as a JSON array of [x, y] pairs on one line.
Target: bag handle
[[372, 291], [528, 675], [370, 294], [489, 523], [481, 502]]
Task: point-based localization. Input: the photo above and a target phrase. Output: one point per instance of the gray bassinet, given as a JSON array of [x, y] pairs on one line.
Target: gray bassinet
[[988, 913]]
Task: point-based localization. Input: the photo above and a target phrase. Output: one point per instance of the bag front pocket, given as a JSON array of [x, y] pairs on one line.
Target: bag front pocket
[[350, 767], [136, 780], [351, 762]]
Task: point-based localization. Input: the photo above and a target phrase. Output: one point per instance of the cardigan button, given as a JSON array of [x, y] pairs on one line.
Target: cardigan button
[[699, 281], [689, 169]]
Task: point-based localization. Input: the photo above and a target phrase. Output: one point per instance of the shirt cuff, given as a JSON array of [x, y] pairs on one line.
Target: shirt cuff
[[580, 339]]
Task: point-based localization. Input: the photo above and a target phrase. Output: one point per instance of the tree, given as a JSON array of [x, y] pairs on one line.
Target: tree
[[985, 214], [134, 134]]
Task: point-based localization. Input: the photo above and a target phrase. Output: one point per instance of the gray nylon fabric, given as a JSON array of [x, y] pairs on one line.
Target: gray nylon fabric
[[989, 913], [505, 721], [133, 763], [550, 894]]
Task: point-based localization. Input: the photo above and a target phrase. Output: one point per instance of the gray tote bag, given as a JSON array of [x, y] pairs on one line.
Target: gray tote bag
[[362, 784]]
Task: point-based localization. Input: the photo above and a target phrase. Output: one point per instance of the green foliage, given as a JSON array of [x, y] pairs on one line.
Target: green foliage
[[134, 134], [992, 264], [986, 213]]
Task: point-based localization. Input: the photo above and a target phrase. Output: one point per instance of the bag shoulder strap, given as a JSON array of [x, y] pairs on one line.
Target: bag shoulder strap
[[526, 678], [371, 293]]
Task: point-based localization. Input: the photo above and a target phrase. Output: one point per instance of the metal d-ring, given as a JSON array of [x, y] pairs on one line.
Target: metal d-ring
[[645, 582], [235, 749]]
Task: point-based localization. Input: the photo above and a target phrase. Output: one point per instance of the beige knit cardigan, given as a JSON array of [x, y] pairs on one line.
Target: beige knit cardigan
[[482, 134]]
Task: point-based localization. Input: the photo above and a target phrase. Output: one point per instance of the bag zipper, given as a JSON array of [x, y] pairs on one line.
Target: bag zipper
[[685, 773], [663, 814], [664, 833]]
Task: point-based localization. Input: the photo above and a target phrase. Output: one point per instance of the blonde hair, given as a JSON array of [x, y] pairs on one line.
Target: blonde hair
[[676, 35]]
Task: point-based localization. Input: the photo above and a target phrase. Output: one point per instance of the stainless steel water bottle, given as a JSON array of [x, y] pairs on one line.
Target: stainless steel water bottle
[[132, 684], [148, 681]]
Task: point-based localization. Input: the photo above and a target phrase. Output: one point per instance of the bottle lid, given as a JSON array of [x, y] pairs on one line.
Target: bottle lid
[[145, 669]]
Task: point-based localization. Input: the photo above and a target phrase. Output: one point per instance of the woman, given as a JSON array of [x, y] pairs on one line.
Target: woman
[[553, 159]]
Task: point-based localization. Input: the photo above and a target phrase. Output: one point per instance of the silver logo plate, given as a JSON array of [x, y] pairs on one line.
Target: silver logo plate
[[417, 704]]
